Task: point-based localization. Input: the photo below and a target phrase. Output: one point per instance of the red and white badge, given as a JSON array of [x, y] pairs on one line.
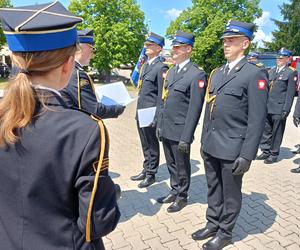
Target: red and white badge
[[262, 84], [295, 78], [201, 84], [164, 75]]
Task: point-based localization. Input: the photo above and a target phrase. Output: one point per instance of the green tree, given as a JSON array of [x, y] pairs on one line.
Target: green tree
[[207, 20], [288, 33], [119, 30], [3, 4]]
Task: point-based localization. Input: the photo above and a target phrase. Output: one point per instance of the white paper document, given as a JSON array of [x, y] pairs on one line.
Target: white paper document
[[146, 116], [1, 93], [112, 94]]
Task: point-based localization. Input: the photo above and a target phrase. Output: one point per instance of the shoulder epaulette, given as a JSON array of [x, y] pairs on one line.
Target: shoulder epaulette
[[292, 68]]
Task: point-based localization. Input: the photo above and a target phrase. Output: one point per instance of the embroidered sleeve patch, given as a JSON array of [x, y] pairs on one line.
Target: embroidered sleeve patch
[[262, 84], [83, 82], [201, 84]]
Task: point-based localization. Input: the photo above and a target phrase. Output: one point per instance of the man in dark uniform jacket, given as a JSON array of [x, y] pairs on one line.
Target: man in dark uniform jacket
[[283, 81], [252, 57], [296, 120], [183, 100], [233, 124], [80, 92], [150, 95]]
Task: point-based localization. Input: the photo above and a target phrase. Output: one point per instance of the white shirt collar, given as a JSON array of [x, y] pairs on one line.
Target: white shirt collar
[[181, 65], [79, 63], [47, 88], [234, 63], [150, 61], [279, 69]]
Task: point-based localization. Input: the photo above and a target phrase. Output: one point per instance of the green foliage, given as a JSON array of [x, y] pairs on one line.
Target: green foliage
[[3, 4], [207, 19], [288, 33], [119, 30]]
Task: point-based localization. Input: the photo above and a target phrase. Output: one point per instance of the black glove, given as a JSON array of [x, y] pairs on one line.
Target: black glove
[[296, 121], [153, 124], [284, 115], [240, 166], [158, 133], [119, 109], [118, 191], [184, 147]]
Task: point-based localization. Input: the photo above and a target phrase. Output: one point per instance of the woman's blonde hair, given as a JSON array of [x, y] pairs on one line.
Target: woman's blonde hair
[[18, 104]]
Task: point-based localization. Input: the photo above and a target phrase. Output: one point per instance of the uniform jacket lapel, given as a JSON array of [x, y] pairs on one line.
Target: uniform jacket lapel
[[178, 76], [233, 72], [148, 68]]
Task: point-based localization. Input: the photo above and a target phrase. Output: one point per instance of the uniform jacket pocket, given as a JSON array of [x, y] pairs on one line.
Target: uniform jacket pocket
[[237, 133]]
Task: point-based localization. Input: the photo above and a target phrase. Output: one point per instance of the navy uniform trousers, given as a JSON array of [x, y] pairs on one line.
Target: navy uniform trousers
[[178, 120], [150, 95], [281, 96], [233, 124]]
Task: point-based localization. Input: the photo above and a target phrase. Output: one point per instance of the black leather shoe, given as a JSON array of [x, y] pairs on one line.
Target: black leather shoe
[[262, 156], [296, 150], [204, 233], [271, 159], [138, 177], [217, 243], [148, 181], [177, 205], [167, 199], [296, 170]]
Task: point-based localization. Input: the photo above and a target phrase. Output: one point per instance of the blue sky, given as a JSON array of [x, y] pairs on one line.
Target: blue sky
[[159, 13]]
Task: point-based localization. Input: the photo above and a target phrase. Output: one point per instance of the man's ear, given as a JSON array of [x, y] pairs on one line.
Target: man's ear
[[246, 43]]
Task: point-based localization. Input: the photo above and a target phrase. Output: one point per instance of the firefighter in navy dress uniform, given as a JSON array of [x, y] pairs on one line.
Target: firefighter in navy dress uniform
[[55, 189], [283, 81], [233, 124], [80, 91], [296, 120], [150, 95], [252, 57], [184, 93]]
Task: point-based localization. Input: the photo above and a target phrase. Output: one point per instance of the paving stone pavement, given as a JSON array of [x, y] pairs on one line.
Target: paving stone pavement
[[270, 215]]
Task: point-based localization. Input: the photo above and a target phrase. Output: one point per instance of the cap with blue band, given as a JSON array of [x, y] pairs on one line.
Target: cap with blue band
[[283, 52], [183, 38], [154, 38], [39, 27], [86, 36], [236, 28]]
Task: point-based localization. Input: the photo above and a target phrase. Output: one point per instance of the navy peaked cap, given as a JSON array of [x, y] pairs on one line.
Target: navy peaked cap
[[253, 54], [183, 38], [86, 36], [283, 52], [39, 27], [154, 38], [236, 28]]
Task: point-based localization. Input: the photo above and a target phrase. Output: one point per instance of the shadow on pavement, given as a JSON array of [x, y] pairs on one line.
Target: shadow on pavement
[[285, 153], [255, 217]]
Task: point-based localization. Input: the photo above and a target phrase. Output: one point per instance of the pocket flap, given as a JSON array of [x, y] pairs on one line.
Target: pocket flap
[[237, 133], [181, 87], [233, 91]]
